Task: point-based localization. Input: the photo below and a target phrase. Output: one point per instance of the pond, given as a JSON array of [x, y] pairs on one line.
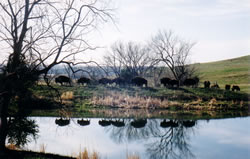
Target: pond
[[148, 138]]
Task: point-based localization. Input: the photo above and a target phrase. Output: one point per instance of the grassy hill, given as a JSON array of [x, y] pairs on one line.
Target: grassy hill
[[232, 71]]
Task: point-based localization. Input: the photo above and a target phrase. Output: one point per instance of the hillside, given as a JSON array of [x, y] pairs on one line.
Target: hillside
[[231, 71]]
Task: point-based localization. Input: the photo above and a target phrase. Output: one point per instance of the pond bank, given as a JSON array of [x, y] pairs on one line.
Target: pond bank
[[139, 113], [184, 98]]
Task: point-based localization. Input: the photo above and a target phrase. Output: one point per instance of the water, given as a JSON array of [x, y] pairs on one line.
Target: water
[[221, 138]]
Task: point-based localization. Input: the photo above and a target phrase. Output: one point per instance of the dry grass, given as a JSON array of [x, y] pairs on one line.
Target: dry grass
[[12, 147], [133, 156], [42, 148], [88, 155], [212, 102], [116, 99], [67, 95]]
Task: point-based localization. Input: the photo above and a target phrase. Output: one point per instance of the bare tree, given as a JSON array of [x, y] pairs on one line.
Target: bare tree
[[129, 59], [174, 53], [38, 35]]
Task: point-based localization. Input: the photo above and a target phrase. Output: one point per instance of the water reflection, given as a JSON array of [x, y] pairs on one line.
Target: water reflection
[[62, 122], [169, 138], [151, 138], [83, 122], [172, 142], [21, 131], [104, 122], [118, 123], [165, 138], [139, 123]]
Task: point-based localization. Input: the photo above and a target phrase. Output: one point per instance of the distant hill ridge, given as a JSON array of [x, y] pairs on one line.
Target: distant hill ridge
[[230, 71]]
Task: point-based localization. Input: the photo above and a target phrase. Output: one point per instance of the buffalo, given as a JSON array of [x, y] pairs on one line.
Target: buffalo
[[174, 83], [227, 87], [165, 81], [83, 80], [105, 81], [235, 88], [139, 123], [139, 81], [206, 84], [191, 82], [62, 80], [216, 86], [62, 122]]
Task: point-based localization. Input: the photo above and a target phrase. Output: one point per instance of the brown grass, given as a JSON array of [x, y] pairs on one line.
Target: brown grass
[[212, 102], [116, 99], [12, 147], [133, 156], [69, 95], [42, 148], [88, 155]]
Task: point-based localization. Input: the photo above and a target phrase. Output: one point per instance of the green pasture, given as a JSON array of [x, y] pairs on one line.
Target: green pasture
[[233, 71]]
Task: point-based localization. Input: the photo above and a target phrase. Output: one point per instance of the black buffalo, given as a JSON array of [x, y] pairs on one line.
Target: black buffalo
[[139, 123], [165, 81], [62, 122], [83, 80], [62, 80], [235, 88], [174, 83], [83, 122], [139, 81], [105, 81], [191, 82], [227, 87], [206, 84]]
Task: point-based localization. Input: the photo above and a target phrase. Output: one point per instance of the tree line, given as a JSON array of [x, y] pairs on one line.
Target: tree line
[[165, 51], [165, 55]]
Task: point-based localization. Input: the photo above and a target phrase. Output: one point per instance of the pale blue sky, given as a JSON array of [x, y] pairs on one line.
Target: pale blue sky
[[220, 28]]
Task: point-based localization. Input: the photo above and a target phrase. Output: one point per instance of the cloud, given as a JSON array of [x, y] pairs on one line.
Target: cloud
[[214, 50], [228, 131], [211, 8]]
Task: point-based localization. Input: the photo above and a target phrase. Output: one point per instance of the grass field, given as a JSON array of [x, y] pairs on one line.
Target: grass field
[[231, 71], [234, 71], [83, 98]]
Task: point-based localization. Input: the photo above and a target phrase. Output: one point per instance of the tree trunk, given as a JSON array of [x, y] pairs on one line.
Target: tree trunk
[[3, 123]]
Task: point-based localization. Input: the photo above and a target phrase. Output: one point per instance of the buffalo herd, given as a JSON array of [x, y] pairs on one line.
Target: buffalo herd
[[216, 86], [140, 82]]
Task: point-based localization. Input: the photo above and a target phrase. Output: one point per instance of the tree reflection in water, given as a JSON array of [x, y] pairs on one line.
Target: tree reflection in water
[[128, 132], [172, 142], [21, 130], [169, 142]]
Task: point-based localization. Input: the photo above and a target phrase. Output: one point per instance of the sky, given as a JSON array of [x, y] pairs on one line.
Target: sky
[[219, 28]]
